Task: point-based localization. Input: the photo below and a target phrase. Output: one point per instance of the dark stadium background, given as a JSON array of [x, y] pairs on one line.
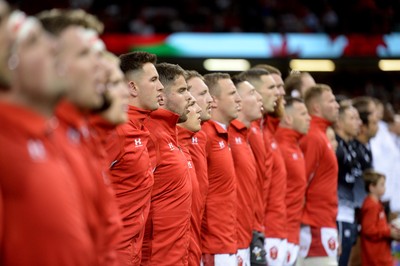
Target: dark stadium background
[[354, 75]]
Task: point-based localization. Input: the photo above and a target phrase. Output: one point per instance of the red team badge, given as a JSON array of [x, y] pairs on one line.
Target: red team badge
[[240, 261], [273, 253], [332, 243]]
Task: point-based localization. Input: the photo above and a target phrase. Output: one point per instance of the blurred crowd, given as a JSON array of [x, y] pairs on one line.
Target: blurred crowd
[[155, 16]]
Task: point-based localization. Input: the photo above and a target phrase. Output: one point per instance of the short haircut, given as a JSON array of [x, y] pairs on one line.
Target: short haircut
[[168, 73], [135, 61], [189, 74], [362, 104], [371, 177], [342, 98], [343, 107], [212, 80], [111, 57], [290, 101], [269, 68], [388, 113], [86, 20], [56, 21], [254, 74], [294, 81], [315, 92], [237, 79]]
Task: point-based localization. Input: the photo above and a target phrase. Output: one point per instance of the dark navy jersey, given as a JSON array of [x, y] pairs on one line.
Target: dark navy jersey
[[364, 154], [349, 171], [364, 157]]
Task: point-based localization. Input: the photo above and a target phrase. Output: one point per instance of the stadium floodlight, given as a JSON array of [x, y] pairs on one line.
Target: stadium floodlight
[[312, 65], [389, 65], [226, 64]]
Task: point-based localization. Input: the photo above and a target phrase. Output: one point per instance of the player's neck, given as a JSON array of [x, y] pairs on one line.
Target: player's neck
[[374, 197]]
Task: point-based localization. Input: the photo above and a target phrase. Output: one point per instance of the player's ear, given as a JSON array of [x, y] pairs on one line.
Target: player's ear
[[133, 89]]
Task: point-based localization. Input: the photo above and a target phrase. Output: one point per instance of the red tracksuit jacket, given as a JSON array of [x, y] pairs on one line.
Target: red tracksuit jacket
[[132, 179], [80, 151], [43, 218], [375, 235], [219, 234], [256, 141], [275, 221], [246, 179], [288, 141], [321, 204], [185, 139], [171, 198], [197, 149]]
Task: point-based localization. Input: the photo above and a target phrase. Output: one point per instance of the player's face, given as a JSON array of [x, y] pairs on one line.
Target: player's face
[[176, 98], [148, 87], [200, 92], [117, 92], [82, 69], [251, 102], [228, 102], [193, 122], [301, 118]]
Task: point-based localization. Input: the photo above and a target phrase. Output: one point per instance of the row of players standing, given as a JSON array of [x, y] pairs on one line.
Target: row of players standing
[[359, 215], [263, 186], [173, 169]]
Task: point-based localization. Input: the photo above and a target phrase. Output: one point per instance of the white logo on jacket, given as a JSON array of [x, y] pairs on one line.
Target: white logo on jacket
[[238, 140], [195, 140], [274, 146], [221, 144], [171, 146], [36, 150], [138, 142]]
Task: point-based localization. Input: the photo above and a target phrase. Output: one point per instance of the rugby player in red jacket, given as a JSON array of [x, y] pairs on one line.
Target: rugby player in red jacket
[[104, 122], [171, 198], [219, 236], [84, 74], [319, 237], [199, 90], [43, 216], [186, 132], [294, 124], [197, 148], [275, 216], [275, 208], [256, 141], [128, 159], [245, 165]]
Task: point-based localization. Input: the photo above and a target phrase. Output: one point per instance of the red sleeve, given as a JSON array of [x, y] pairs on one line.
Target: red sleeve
[[114, 147], [246, 179], [275, 220], [132, 180], [110, 216], [152, 149], [312, 154], [112, 228], [268, 164], [1, 218], [258, 147], [373, 221]]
